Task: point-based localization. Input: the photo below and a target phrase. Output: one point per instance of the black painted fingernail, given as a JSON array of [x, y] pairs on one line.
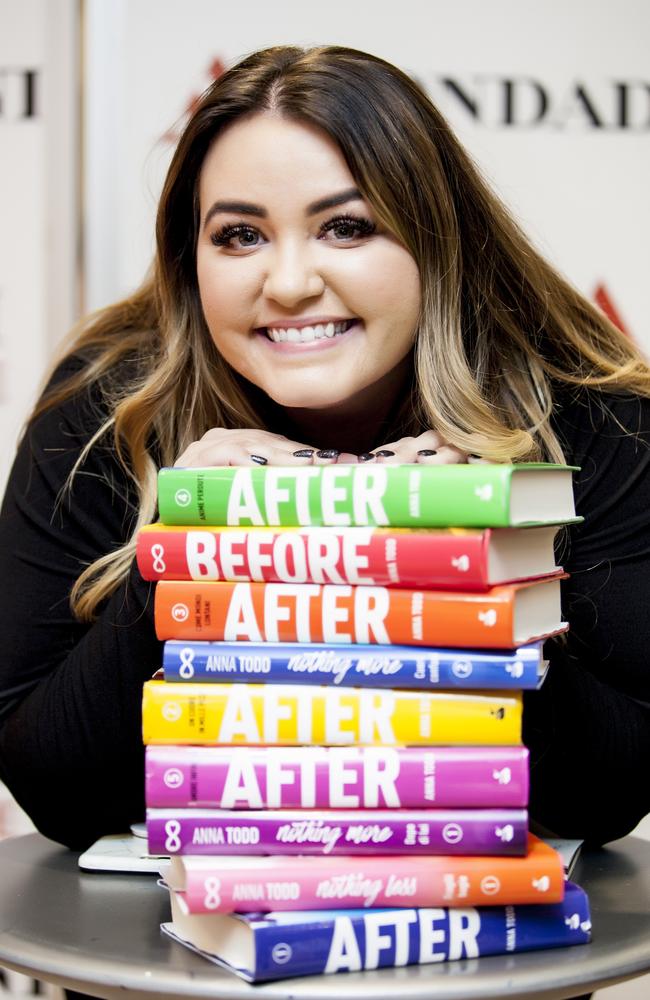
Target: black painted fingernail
[[329, 453], [426, 452], [385, 453], [365, 456], [304, 453], [258, 459]]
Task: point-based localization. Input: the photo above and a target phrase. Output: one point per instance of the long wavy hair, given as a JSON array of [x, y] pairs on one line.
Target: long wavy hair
[[500, 330]]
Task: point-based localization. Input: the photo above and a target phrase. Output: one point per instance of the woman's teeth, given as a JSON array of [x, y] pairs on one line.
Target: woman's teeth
[[307, 333]]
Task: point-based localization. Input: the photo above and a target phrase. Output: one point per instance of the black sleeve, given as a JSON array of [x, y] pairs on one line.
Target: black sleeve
[[70, 694], [588, 729]]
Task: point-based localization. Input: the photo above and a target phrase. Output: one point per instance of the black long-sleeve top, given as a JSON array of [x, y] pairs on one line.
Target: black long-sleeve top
[[70, 693]]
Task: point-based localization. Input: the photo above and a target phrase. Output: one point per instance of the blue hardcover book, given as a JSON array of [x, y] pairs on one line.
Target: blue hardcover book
[[369, 665], [281, 945]]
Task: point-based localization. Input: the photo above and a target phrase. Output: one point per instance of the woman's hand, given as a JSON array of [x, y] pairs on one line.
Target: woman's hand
[[429, 448], [219, 446]]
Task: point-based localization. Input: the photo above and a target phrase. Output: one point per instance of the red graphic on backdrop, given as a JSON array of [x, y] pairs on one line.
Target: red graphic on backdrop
[[214, 71], [603, 299]]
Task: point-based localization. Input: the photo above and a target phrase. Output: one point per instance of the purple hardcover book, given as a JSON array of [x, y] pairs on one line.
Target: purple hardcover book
[[345, 831], [337, 777]]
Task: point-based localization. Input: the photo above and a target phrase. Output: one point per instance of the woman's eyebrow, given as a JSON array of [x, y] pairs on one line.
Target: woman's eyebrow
[[352, 194], [247, 208]]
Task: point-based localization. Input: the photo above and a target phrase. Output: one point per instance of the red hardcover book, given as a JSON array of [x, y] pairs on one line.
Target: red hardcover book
[[444, 559]]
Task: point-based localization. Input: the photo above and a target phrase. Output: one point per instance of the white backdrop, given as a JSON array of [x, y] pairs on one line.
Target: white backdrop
[[572, 162], [38, 198]]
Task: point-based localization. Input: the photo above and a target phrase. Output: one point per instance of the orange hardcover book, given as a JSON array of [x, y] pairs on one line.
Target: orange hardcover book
[[503, 617]]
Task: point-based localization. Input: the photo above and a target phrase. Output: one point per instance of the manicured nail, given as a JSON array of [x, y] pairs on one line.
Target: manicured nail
[[366, 456], [427, 452], [258, 459], [304, 453], [329, 453], [384, 453]]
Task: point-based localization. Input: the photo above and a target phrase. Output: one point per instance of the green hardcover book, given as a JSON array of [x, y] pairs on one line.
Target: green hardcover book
[[462, 496]]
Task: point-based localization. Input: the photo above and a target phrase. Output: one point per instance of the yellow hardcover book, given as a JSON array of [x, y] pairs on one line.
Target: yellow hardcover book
[[293, 715]]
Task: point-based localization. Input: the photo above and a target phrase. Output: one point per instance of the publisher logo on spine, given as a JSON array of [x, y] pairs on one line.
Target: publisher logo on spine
[[180, 612], [281, 953], [171, 711], [173, 777], [490, 885], [183, 497], [461, 669], [452, 833]]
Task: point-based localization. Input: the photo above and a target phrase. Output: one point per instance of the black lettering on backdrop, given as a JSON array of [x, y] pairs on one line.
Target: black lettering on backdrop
[[510, 105], [584, 100], [470, 104], [30, 94], [18, 93], [631, 104], [523, 102]]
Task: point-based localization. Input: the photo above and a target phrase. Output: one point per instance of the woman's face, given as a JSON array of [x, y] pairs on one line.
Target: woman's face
[[303, 292]]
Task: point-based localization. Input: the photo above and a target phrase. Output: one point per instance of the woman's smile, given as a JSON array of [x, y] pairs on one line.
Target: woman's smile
[[310, 337]]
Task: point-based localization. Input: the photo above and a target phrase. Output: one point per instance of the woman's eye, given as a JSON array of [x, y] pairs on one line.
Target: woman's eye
[[345, 229], [237, 237]]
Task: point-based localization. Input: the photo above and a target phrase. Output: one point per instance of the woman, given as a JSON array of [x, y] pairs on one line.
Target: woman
[[333, 282]]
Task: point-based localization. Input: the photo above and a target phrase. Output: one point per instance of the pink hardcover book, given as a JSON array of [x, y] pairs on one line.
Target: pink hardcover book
[[336, 777], [224, 884]]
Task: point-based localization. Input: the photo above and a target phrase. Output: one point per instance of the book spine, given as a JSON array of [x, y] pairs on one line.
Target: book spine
[[353, 664], [329, 833], [297, 883], [367, 556], [338, 495], [337, 777], [386, 938], [284, 612], [287, 714]]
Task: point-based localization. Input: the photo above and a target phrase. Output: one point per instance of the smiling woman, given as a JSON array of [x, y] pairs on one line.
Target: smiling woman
[[333, 282]]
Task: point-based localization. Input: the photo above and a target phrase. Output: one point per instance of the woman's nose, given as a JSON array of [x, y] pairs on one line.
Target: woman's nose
[[292, 274]]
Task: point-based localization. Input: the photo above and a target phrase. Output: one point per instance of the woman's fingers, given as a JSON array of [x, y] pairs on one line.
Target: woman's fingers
[[326, 456], [230, 453], [258, 447], [444, 455], [245, 447], [428, 448]]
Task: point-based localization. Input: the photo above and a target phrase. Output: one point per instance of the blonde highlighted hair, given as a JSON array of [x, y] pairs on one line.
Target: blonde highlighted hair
[[500, 330]]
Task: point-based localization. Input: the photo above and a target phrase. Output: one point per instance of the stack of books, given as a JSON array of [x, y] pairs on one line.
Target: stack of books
[[334, 757]]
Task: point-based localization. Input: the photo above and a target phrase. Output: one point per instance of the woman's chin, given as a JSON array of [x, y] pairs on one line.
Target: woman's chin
[[303, 399]]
